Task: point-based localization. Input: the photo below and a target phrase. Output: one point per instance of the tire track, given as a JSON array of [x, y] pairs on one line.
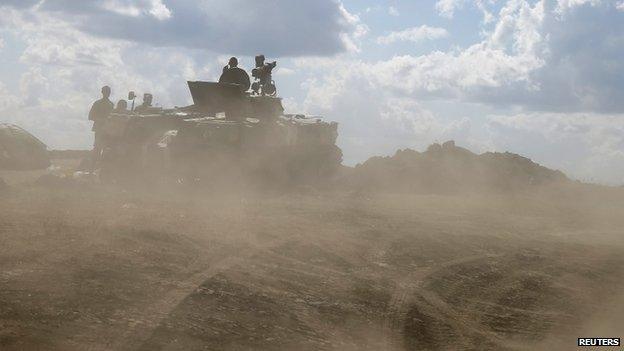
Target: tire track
[[410, 296], [142, 327]]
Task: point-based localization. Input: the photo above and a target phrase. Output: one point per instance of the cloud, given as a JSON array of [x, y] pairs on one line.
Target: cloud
[[377, 120], [503, 61], [66, 60], [620, 6], [281, 28], [584, 61], [7, 99], [374, 119], [393, 11], [153, 8], [447, 8], [533, 58], [567, 5], [284, 71], [66, 67], [587, 146], [415, 35]]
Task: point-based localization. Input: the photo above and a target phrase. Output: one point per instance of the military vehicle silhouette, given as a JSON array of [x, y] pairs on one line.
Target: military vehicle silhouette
[[226, 133]]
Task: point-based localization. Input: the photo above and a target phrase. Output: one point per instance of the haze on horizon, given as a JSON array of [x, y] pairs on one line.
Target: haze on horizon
[[543, 79]]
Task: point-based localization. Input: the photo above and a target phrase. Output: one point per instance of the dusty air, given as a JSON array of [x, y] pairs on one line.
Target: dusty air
[[327, 175]]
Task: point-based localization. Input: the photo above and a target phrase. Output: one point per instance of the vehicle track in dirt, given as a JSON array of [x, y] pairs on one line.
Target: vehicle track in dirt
[[427, 312], [305, 273], [153, 315]]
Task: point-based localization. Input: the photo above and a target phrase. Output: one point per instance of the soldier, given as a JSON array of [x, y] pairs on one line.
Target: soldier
[[147, 103], [98, 114], [263, 74], [122, 106], [234, 75]]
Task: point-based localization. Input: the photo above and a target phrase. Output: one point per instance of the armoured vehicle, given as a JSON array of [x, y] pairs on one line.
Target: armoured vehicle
[[226, 134]]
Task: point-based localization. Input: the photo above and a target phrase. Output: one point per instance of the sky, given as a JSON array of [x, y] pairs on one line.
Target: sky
[[541, 78]]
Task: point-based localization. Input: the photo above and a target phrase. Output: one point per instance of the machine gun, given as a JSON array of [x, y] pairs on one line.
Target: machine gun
[[263, 84]]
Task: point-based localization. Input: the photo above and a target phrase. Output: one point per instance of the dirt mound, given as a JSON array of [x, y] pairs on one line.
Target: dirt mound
[[448, 168], [20, 150]]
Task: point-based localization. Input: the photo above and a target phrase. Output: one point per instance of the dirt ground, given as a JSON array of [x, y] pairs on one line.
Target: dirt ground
[[93, 268]]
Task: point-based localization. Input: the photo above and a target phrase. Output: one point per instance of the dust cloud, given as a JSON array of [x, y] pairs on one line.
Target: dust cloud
[[436, 250]]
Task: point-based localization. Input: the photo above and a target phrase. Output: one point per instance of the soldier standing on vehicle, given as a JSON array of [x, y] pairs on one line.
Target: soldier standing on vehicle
[[122, 106], [100, 110], [234, 75]]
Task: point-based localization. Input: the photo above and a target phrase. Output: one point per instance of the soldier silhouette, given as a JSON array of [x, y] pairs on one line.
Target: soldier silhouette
[[264, 84], [232, 74], [122, 106], [100, 110]]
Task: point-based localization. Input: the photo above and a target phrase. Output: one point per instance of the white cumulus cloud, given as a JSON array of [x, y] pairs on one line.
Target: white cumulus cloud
[[136, 8], [447, 8], [66, 69], [415, 35], [567, 5]]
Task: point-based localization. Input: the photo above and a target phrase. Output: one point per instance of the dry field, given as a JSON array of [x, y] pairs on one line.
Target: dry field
[[92, 268]]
